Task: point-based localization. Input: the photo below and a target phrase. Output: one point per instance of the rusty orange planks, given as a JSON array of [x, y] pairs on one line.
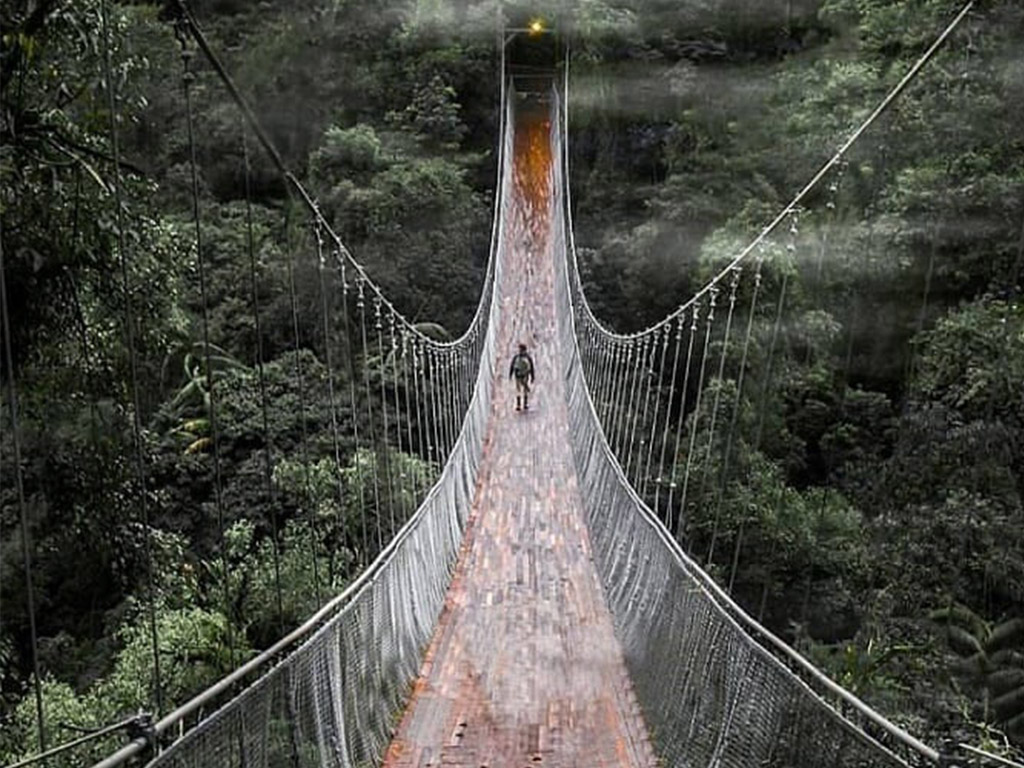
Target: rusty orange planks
[[524, 668]]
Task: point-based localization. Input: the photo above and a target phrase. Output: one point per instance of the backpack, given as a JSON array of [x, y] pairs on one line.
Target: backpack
[[521, 366]]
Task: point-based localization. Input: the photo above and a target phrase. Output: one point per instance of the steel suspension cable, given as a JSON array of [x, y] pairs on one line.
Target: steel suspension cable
[[354, 410], [629, 418], [321, 268], [589, 354], [640, 386], [734, 285], [765, 387], [837, 156], [618, 395], [268, 471], [658, 387], [734, 417], [444, 401], [452, 397], [444, 398], [615, 385], [19, 483], [431, 381], [621, 413], [643, 421], [681, 418], [830, 455], [382, 448], [624, 350], [133, 366], [680, 324], [463, 385], [437, 383], [211, 378], [417, 385], [768, 373], [709, 322], [300, 381], [396, 386], [608, 351], [470, 356], [361, 308], [600, 374], [406, 362], [640, 380], [597, 381], [450, 404], [613, 349], [448, 391], [596, 357]]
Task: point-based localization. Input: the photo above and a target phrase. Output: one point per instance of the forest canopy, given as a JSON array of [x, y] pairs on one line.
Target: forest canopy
[[892, 441]]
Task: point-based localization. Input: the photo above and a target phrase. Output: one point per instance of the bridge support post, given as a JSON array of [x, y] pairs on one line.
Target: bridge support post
[[143, 728]]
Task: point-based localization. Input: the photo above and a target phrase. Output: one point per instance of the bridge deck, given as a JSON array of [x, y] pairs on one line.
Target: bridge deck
[[524, 668]]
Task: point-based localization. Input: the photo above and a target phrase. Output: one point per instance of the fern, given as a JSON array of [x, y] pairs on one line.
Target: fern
[[991, 655]]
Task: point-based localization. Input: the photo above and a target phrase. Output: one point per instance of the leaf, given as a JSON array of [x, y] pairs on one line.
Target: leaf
[[1010, 704], [1008, 633], [962, 616], [199, 445], [1015, 725], [963, 642], [1008, 658], [185, 393], [83, 163], [973, 665], [1003, 680], [196, 425]]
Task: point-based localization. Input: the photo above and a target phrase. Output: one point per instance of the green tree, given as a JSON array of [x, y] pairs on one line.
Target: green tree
[[992, 660]]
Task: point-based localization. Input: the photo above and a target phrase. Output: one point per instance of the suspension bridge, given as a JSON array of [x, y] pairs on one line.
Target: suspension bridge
[[545, 601]]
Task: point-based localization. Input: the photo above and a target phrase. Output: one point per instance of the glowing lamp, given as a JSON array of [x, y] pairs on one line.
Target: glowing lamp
[[536, 27]]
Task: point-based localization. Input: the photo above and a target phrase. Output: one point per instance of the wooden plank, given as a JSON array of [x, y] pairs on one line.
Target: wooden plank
[[524, 663]]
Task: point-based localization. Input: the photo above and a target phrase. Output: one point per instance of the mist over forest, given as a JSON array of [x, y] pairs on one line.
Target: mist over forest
[[882, 523]]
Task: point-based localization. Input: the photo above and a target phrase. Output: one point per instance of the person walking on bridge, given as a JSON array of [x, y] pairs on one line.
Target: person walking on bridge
[[522, 369]]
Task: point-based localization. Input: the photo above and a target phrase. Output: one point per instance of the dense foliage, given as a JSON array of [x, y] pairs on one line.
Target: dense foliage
[[873, 496], [141, 530], [876, 520]]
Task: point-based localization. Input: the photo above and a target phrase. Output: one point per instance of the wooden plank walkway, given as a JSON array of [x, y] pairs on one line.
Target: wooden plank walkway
[[524, 668]]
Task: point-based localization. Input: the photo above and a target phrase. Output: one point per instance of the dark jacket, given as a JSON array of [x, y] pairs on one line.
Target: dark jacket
[[512, 366]]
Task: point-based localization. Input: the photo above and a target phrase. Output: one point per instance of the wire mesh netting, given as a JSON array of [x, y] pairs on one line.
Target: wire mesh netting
[[334, 700], [714, 687]]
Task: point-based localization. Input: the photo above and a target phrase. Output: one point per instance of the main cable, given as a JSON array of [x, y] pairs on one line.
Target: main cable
[[884, 105], [130, 331], [211, 379]]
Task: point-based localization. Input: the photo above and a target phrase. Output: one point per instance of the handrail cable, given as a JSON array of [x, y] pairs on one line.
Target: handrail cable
[[68, 745]]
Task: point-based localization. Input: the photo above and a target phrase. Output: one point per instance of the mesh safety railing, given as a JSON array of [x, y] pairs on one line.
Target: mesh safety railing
[[716, 688], [332, 690]]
